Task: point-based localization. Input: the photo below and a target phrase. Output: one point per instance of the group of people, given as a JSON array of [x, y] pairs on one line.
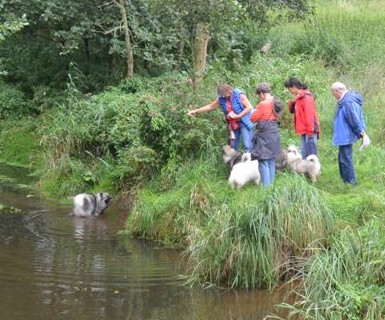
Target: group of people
[[258, 128]]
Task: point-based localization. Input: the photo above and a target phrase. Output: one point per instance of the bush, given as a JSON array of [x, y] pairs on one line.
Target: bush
[[13, 104]]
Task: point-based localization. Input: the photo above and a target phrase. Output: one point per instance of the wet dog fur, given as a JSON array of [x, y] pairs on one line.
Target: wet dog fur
[[243, 169], [309, 166], [90, 204]]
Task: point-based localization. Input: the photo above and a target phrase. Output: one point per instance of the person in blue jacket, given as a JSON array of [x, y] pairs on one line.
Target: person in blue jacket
[[237, 110], [349, 126]]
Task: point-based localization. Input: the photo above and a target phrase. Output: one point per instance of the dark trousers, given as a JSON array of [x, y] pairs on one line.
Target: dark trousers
[[345, 163]]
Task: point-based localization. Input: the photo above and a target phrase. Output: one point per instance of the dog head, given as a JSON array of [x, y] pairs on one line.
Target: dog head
[[103, 200], [293, 154], [231, 156], [228, 151]]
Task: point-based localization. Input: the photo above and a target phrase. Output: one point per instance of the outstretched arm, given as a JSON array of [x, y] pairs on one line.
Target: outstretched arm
[[206, 108]]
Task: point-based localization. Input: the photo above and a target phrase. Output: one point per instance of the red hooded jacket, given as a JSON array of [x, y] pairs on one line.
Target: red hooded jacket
[[306, 119]]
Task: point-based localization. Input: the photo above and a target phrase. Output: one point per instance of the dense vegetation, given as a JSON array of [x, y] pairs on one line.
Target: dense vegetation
[[82, 129]]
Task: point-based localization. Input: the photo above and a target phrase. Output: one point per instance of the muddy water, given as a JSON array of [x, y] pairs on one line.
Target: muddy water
[[53, 266]]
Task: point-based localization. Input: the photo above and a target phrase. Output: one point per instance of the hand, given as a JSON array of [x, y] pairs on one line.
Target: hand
[[365, 141], [192, 113], [232, 115], [361, 135]]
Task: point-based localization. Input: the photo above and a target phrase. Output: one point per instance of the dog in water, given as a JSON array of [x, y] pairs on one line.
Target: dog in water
[[309, 166], [90, 204], [243, 169]]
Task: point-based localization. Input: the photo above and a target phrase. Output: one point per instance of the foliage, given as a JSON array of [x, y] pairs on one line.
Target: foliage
[[18, 143], [136, 136], [138, 132], [58, 35], [10, 23]]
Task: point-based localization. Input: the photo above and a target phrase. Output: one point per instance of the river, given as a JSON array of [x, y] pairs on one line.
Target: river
[[54, 266]]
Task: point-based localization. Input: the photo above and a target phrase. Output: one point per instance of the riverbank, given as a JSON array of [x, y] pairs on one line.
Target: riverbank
[[140, 144]]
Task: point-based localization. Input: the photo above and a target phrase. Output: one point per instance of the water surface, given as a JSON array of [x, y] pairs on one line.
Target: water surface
[[54, 266]]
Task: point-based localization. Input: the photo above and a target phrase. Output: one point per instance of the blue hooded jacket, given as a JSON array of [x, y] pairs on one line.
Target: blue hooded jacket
[[237, 107], [349, 119]]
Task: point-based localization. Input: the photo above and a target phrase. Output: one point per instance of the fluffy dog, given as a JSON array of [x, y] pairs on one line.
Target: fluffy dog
[[309, 166], [281, 160], [243, 169], [230, 156], [90, 204]]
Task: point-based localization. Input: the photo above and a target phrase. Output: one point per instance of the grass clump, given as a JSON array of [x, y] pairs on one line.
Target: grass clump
[[346, 280], [254, 239], [247, 238]]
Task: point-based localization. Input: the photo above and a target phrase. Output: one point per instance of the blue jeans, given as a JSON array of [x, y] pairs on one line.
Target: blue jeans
[[267, 171], [345, 164], [247, 137], [308, 147]]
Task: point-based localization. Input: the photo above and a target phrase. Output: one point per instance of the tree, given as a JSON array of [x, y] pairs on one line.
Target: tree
[[207, 19], [129, 58]]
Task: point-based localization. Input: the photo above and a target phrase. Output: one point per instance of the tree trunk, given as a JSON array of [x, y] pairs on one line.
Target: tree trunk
[[201, 40], [126, 29], [181, 46]]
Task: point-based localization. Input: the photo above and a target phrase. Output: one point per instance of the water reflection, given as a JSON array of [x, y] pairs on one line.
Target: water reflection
[[54, 266]]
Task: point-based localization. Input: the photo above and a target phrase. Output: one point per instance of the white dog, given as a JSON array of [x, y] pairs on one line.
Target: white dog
[[244, 172], [310, 166], [90, 204]]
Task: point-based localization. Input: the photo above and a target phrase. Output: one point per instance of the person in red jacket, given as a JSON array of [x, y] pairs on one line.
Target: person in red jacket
[[306, 121]]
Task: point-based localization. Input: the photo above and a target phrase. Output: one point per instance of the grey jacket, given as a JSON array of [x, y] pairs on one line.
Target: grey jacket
[[266, 140]]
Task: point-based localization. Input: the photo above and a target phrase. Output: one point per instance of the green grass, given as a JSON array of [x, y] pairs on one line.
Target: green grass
[[242, 239], [346, 280], [18, 143], [145, 144]]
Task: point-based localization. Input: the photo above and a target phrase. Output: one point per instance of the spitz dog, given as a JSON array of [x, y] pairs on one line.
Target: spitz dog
[[309, 166], [90, 204], [243, 169]]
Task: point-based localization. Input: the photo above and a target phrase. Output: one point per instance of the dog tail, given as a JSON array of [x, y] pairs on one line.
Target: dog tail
[[246, 157], [312, 157]]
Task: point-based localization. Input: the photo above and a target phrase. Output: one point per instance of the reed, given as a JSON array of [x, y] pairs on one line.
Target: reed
[[345, 281], [254, 239]]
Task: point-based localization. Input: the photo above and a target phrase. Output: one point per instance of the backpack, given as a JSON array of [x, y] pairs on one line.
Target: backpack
[[278, 107]]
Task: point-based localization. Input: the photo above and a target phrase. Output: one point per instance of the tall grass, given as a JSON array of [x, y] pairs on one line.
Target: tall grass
[[242, 239], [346, 280]]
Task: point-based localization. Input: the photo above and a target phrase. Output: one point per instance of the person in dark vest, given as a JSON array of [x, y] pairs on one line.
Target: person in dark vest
[[266, 140], [237, 109], [306, 121]]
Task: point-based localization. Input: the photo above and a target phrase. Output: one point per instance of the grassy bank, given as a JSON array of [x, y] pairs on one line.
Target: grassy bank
[[136, 140]]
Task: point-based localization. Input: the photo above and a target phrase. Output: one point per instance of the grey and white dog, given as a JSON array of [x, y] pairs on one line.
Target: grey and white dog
[[309, 166], [90, 204], [230, 156], [281, 160]]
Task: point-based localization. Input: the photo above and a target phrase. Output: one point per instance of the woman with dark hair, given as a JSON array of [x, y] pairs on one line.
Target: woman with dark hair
[[306, 121]]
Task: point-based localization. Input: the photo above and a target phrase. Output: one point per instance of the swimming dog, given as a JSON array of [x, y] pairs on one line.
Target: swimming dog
[[90, 204]]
